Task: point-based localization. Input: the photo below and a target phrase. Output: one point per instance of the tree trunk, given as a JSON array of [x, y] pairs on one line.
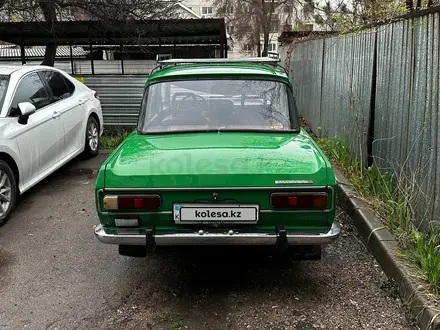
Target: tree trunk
[[266, 27], [419, 4], [265, 44], [258, 22], [258, 48], [257, 40], [49, 12], [430, 3], [409, 5], [49, 55]]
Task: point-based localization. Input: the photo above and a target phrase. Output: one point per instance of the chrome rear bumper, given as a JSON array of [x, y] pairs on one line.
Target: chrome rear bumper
[[136, 237]]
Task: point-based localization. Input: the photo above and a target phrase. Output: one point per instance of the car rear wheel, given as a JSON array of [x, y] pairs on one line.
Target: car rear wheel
[[8, 192], [92, 138]]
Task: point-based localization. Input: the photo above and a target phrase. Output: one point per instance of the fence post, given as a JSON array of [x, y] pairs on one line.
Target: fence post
[[370, 136], [322, 84]]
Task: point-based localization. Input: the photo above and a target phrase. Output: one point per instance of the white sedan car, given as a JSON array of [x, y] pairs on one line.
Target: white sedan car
[[47, 118]]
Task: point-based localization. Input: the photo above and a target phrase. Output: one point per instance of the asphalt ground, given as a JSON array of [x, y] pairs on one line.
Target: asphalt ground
[[54, 274]]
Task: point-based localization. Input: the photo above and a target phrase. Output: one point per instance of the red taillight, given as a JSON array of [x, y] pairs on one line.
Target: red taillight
[[292, 200], [299, 200], [146, 202]]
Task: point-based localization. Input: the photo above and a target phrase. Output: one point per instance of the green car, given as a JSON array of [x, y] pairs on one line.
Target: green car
[[218, 158]]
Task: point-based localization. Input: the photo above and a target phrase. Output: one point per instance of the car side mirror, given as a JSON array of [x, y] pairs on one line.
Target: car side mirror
[[26, 109]]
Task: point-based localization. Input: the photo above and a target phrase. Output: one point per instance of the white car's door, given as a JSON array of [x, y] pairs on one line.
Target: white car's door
[[41, 140], [69, 105]]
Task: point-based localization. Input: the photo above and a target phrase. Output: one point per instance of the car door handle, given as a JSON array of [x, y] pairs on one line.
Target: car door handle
[[55, 114]]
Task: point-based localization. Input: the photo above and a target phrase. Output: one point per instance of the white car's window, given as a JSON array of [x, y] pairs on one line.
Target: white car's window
[[70, 85], [30, 89], [58, 85], [225, 104], [4, 80]]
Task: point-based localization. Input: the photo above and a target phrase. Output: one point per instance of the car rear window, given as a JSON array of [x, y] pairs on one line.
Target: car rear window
[[58, 85], [222, 104], [4, 81]]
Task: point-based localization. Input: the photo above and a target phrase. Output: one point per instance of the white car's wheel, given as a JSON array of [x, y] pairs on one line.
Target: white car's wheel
[[92, 138], [8, 192]]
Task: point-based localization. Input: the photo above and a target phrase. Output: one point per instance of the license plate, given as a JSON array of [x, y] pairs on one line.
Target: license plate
[[215, 213]]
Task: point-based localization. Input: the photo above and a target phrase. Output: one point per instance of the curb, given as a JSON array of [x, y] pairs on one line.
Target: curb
[[383, 246]]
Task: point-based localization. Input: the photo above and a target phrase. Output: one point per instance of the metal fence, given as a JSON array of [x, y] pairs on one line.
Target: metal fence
[[120, 97], [380, 89], [100, 67]]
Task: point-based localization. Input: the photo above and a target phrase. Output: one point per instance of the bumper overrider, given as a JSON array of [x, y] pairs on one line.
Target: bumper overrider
[[217, 236]]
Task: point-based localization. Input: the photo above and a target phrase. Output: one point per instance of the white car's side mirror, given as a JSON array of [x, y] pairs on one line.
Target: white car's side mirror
[[26, 109]]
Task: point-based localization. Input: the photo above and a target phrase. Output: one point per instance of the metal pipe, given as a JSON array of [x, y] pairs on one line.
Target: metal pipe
[[91, 58], [22, 54], [71, 59], [122, 58]]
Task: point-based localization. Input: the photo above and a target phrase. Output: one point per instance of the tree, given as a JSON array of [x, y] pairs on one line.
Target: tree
[[105, 11], [254, 18], [343, 14], [420, 4]]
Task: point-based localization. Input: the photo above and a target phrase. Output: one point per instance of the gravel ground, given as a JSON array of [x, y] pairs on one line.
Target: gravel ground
[[55, 275]]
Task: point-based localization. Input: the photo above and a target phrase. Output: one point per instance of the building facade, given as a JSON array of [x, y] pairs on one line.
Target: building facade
[[296, 17]]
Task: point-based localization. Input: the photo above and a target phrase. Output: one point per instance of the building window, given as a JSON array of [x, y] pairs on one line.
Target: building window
[[230, 10], [272, 47], [230, 29], [206, 10], [247, 47]]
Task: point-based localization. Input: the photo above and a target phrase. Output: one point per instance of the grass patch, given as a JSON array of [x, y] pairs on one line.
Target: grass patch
[[392, 196], [113, 138]]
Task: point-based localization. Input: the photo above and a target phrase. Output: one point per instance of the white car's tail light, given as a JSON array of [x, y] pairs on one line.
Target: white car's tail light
[[138, 202]]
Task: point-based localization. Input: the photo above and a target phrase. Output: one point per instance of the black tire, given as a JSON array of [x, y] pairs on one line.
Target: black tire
[[8, 190], [91, 148]]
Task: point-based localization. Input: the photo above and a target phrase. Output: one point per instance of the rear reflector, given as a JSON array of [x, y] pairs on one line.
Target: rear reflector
[[299, 200], [141, 202]]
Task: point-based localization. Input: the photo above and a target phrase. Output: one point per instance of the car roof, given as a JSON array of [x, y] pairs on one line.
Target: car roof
[[21, 69], [219, 70], [8, 69]]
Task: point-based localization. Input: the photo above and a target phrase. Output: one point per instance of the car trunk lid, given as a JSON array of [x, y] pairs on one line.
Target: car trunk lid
[[225, 159]]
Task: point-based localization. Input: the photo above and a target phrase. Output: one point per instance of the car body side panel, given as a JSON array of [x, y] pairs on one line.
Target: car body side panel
[[24, 143]]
